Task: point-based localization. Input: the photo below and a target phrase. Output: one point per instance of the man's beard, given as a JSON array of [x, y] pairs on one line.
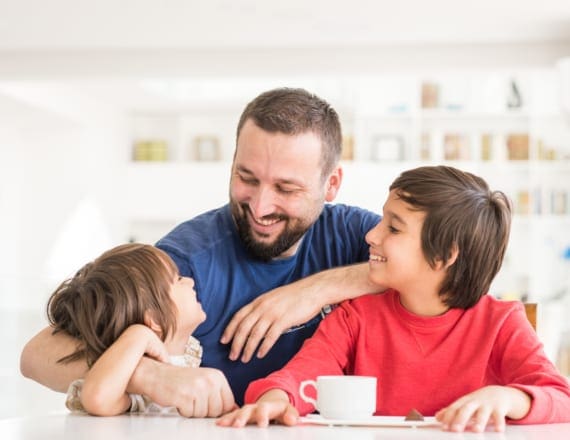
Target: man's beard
[[266, 251]]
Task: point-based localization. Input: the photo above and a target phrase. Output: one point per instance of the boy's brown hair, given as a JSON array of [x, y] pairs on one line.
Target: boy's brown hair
[[463, 214], [111, 293], [294, 111]]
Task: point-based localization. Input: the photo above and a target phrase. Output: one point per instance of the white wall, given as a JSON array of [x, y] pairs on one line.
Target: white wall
[[51, 160]]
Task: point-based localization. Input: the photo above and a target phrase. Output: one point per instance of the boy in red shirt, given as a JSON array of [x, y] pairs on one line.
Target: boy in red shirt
[[439, 245]]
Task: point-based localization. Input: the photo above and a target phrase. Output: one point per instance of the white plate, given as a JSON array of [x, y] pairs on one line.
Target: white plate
[[395, 421]]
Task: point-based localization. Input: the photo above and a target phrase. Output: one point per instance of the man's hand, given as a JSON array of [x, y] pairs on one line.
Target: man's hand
[[266, 318], [269, 315], [196, 392]]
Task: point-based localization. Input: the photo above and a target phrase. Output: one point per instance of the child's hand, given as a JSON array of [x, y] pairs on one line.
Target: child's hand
[[273, 405], [475, 410], [154, 347]]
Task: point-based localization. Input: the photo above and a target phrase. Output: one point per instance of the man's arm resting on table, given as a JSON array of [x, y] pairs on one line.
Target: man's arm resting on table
[[196, 392], [39, 358], [269, 315]]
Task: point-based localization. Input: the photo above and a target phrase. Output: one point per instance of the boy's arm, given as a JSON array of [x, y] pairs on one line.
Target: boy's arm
[[273, 405], [104, 391], [268, 316], [488, 404], [39, 357]]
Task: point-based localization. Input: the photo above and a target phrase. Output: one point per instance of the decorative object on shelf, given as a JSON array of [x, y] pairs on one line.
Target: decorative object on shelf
[[206, 148], [518, 146], [514, 99], [425, 146], [522, 203], [387, 148], [537, 201], [430, 94], [455, 146], [150, 150], [486, 146], [559, 202], [347, 147], [544, 152]]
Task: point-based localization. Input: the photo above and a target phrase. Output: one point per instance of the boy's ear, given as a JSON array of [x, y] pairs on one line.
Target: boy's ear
[[453, 257], [151, 323], [451, 260]]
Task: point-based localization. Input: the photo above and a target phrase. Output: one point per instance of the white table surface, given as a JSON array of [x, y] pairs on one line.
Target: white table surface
[[67, 426]]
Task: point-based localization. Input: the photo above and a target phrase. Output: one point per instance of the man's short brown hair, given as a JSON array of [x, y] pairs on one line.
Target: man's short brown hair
[[295, 111]]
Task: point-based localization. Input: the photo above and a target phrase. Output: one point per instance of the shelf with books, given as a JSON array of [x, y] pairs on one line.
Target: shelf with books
[[516, 137], [182, 136]]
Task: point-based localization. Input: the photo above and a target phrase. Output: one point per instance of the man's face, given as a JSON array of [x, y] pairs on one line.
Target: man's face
[[277, 190]]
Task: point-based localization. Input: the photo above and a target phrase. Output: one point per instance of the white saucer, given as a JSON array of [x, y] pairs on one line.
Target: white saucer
[[392, 421]]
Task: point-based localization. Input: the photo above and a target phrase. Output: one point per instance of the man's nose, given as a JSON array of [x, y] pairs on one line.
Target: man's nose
[[262, 203]]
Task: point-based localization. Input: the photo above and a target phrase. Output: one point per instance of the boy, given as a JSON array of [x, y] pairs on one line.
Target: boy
[[439, 245]]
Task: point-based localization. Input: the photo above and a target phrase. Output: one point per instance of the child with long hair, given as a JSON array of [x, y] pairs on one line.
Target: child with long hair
[[439, 245], [128, 303]]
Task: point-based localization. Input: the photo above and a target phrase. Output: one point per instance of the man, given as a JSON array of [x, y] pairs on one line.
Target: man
[[275, 233]]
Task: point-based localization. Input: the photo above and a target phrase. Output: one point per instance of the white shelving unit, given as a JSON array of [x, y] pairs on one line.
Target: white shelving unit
[[523, 150]]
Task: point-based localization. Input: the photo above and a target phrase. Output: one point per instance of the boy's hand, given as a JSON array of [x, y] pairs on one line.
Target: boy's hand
[[475, 410], [273, 405]]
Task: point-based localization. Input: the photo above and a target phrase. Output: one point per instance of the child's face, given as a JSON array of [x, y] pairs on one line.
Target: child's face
[[190, 313], [396, 257]]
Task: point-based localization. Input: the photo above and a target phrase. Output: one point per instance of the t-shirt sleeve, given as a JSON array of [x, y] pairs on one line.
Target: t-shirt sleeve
[[177, 256]]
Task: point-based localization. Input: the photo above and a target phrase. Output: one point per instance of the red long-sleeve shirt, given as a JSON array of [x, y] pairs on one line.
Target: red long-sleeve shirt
[[427, 362]]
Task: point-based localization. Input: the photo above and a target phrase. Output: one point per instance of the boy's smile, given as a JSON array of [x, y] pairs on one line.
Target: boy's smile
[[377, 258]]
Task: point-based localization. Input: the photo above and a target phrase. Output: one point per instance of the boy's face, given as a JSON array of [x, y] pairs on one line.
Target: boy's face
[[396, 257]]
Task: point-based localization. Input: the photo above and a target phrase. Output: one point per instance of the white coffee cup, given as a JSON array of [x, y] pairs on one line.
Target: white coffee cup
[[342, 397]]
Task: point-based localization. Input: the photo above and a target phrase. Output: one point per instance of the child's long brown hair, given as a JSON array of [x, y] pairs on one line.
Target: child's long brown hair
[[111, 293]]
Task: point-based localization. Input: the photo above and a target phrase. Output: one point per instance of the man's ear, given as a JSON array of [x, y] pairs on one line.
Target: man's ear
[[333, 184], [150, 322]]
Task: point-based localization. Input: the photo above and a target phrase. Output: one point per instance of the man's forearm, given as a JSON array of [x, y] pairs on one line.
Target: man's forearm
[[336, 285], [195, 392], [144, 377], [39, 360]]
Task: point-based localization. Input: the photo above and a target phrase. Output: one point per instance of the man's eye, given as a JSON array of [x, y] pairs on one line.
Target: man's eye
[[285, 190], [247, 180]]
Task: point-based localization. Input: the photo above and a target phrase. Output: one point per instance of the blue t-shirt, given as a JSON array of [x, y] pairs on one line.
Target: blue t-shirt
[[208, 249]]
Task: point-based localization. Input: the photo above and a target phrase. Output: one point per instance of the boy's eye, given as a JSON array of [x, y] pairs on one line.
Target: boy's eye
[[393, 230]]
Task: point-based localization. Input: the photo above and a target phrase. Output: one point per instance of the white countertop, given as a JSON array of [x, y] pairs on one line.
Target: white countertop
[[67, 426]]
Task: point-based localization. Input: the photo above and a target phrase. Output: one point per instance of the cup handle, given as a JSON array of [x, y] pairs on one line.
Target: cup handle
[[304, 397]]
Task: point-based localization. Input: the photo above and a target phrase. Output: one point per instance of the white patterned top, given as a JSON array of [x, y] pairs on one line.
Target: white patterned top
[[141, 404]]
